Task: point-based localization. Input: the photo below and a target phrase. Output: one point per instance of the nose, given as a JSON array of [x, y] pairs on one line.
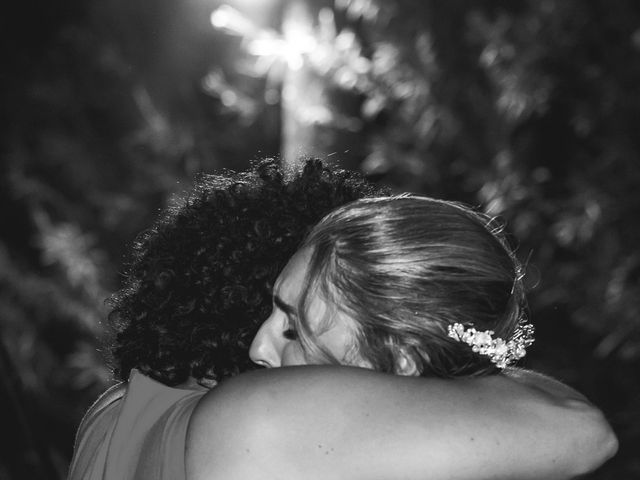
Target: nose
[[264, 347]]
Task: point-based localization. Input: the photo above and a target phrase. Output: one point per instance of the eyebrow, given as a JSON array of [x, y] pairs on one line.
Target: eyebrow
[[282, 305]]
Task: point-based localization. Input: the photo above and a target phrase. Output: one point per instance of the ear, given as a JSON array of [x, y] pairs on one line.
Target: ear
[[406, 363]]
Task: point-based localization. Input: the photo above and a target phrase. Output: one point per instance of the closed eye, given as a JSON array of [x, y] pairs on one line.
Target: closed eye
[[290, 334]]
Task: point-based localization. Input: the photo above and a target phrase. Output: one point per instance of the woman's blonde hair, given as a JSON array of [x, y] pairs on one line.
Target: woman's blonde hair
[[404, 268]]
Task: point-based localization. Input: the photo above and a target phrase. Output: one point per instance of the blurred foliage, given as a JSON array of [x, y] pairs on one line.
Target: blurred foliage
[[526, 108]]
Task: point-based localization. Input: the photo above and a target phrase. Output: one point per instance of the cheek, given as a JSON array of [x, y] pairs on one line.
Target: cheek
[[293, 354], [340, 340]]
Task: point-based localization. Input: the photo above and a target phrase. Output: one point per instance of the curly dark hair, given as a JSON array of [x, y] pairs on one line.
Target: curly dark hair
[[198, 282]]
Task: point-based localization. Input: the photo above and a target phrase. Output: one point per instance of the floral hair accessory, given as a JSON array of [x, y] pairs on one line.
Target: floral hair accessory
[[499, 351]]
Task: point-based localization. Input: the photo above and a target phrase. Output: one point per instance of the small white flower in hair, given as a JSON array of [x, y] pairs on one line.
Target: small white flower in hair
[[483, 339], [501, 348]]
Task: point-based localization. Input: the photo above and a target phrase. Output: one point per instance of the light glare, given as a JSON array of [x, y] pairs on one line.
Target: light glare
[[231, 20]]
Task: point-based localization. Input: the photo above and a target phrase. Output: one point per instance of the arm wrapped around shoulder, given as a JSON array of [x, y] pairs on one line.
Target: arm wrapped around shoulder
[[351, 423]]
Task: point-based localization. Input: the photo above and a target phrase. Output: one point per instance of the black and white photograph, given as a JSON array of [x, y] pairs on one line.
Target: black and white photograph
[[320, 240]]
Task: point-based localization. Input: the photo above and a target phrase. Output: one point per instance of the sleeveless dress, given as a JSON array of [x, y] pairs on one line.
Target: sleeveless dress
[[135, 430]]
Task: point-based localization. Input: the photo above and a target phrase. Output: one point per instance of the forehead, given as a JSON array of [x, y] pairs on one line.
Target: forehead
[[291, 281]]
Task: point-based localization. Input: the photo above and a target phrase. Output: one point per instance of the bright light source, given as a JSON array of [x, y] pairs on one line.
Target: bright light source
[[297, 32], [220, 17], [265, 45], [295, 60], [231, 20], [290, 48], [298, 39]]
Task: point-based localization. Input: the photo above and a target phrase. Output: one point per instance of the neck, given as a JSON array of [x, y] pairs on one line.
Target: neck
[[192, 384]]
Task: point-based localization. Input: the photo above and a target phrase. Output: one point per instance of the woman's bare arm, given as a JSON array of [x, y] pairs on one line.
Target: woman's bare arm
[[349, 423]]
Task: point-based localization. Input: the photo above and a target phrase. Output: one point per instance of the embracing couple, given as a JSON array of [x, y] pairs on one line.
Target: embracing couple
[[399, 319]]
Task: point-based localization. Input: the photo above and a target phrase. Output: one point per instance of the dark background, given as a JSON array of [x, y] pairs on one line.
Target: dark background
[[529, 109]]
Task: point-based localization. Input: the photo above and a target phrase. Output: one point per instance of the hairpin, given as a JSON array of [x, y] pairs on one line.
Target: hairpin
[[499, 351]]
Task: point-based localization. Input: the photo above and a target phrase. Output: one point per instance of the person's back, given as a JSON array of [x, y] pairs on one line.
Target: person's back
[[136, 430]]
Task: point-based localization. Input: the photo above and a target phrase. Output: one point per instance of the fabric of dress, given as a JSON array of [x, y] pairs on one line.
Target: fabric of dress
[[135, 430]]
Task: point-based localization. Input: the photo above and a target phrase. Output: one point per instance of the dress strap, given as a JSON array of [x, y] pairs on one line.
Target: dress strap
[[110, 396]]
